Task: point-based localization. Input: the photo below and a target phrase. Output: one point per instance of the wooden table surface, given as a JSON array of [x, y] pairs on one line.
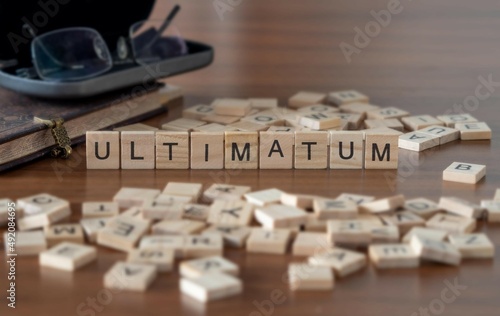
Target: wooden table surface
[[427, 60]]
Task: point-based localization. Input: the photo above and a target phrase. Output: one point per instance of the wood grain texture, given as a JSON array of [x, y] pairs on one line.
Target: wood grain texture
[[428, 59]]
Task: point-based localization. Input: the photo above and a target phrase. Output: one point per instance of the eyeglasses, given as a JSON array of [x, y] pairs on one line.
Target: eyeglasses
[[79, 53]]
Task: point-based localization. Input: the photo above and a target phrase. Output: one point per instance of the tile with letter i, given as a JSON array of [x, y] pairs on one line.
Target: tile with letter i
[[122, 233], [311, 150], [474, 131], [453, 224], [99, 209], [138, 150], [130, 276], [55, 234], [475, 246], [238, 213], [434, 250], [162, 259], [464, 172], [68, 256], [347, 97], [390, 256], [25, 243], [207, 150], [263, 240], [214, 264], [381, 149], [445, 134], [103, 150], [197, 246], [172, 150], [346, 150], [211, 286], [342, 261], [303, 276], [276, 150], [241, 150], [233, 236]]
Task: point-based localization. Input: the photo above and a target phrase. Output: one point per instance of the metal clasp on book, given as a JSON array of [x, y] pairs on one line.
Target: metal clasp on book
[[63, 149]]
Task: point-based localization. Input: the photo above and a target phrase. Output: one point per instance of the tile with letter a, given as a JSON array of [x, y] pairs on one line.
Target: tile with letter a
[[276, 150], [453, 224], [211, 286], [122, 233], [207, 150], [493, 210], [464, 172], [55, 234], [263, 240], [303, 276], [474, 131], [233, 236], [417, 122], [138, 150], [92, 226], [197, 112], [347, 97], [311, 150], [435, 250], [103, 150], [335, 209], [460, 207], [68, 256], [390, 256], [342, 261], [305, 98], [218, 191], [214, 264], [128, 197], [346, 150], [423, 207], [280, 216], [163, 259], [172, 150], [473, 245], [416, 141], [169, 242], [241, 150], [25, 243], [42, 210], [237, 213], [130, 276], [264, 197], [197, 246], [381, 149], [99, 209], [451, 120], [309, 243], [445, 134]]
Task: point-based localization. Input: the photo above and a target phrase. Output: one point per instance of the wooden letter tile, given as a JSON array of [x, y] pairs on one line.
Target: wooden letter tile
[[346, 150], [193, 190], [247, 126], [172, 150], [276, 150], [387, 113], [234, 213], [417, 141], [173, 243], [177, 227], [404, 220], [474, 131], [25, 243], [92, 226], [241, 150], [215, 264], [130, 276], [319, 120], [358, 108], [304, 276], [163, 259], [392, 123], [163, 208], [103, 150], [349, 232], [342, 261], [473, 245], [280, 216], [268, 241], [68, 256], [197, 112], [264, 197], [99, 209], [211, 286], [460, 207], [445, 134], [63, 232], [451, 120], [393, 256], [138, 150], [356, 198], [425, 232], [381, 150], [197, 212], [384, 205], [451, 223], [203, 246], [347, 97], [219, 191], [311, 150], [303, 98], [435, 250], [122, 233], [233, 236], [42, 210], [423, 207], [493, 209], [128, 197], [417, 122], [234, 107], [335, 209], [309, 243]]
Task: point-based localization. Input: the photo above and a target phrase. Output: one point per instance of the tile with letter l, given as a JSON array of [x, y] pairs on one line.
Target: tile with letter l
[[138, 150]]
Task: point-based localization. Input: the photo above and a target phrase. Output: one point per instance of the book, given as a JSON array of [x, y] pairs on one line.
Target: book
[[23, 137]]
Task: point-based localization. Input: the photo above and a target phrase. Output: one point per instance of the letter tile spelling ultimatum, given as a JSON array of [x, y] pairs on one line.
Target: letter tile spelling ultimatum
[[381, 149], [276, 150], [211, 286], [347, 97], [138, 150], [130, 276], [473, 245], [103, 150], [241, 150], [233, 236], [215, 264], [474, 131], [268, 241], [280, 216], [303, 98], [309, 243], [304, 276], [68, 256], [393, 256], [311, 150], [435, 250], [25, 243], [207, 150], [234, 213], [122, 233], [63, 232], [464, 172], [346, 150], [42, 210], [342, 261], [163, 259], [172, 150]]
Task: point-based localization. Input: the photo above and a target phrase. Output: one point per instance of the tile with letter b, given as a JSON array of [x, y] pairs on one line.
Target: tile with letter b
[[211, 286], [138, 150], [214, 264], [464, 172], [473, 245], [393, 256], [241, 150], [342, 261], [276, 150], [130, 276], [474, 131], [303, 276], [163, 259], [103, 150], [311, 150], [346, 150], [381, 149], [68, 256], [172, 150]]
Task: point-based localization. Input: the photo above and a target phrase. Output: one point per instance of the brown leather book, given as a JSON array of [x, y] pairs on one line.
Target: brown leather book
[[24, 138]]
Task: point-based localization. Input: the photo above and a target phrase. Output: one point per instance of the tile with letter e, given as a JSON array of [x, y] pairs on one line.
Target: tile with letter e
[[130, 276], [233, 236], [423, 207], [303, 276], [381, 149], [224, 212], [276, 150], [25, 243], [214, 264], [128, 197], [211, 287], [309, 243], [263, 240], [305, 98], [474, 131], [138, 150], [103, 150], [220, 191], [460, 207], [347, 97], [453, 224], [464, 172], [417, 122], [162, 259], [280, 216], [435, 250], [451, 120], [100, 209], [335, 209], [346, 150], [342, 261], [311, 150], [55, 234], [241, 150], [416, 141], [172, 150], [196, 246], [473, 245], [207, 150], [445, 134], [122, 233], [68, 256], [391, 256]]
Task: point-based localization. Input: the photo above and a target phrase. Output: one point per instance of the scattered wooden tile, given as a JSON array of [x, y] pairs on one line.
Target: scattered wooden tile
[[280, 216], [219, 191], [346, 150], [182, 125], [197, 112], [92, 226], [197, 246], [451, 120], [56, 234], [387, 113], [267, 118], [314, 224], [276, 150], [162, 259], [211, 286], [349, 232], [305, 98], [68, 256], [390, 256], [128, 197], [241, 150], [423, 207], [347, 97], [130, 276], [404, 220], [213, 128], [354, 120], [384, 234], [317, 108], [135, 128], [263, 240], [373, 219], [493, 210], [207, 150], [452, 224], [42, 210], [103, 150], [25, 243], [122, 233], [464, 172], [303, 201], [214, 264], [174, 243], [392, 123], [460, 207], [435, 250], [344, 262], [417, 122], [264, 197], [384, 205], [177, 227], [189, 189], [311, 150], [282, 129], [417, 141], [474, 131], [247, 126], [197, 212], [335, 209], [319, 120], [356, 198], [233, 236], [445, 134], [170, 92], [473, 245], [425, 232], [6, 207], [220, 119], [303, 276], [381, 149], [359, 108], [137, 150], [233, 107], [163, 208], [233, 213], [100, 209], [172, 150], [309, 243], [263, 103]]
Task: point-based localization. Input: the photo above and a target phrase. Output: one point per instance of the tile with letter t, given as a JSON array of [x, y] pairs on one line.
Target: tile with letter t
[[464, 172], [211, 286], [130, 276], [390, 256], [311, 150], [346, 150], [197, 246], [445, 134], [473, 245], [172, 150], [347, 97], [263, 240], [381, 149], [207, 150], [276, 150], [474, 131], [214, 264], [342, 261], [100, 209], [434, 250], [238, 213], [303, 276], [68, 256], [103, 150], [163, 259], [138, 150], [241, 150], [55, 234], [25, 243], [122, 233]]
